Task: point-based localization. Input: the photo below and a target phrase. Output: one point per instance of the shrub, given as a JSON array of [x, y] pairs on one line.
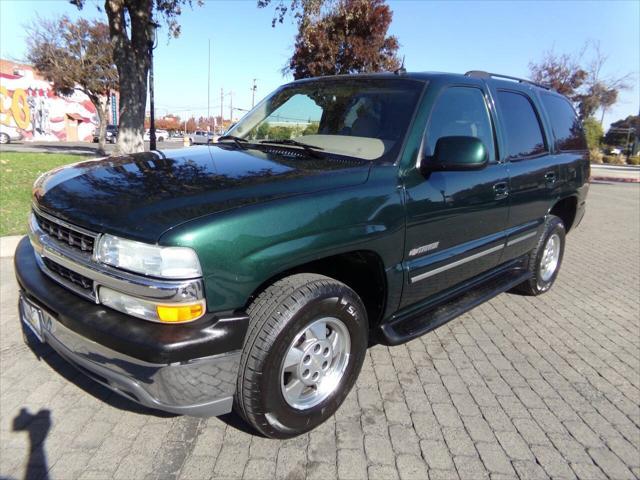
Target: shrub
[[634, 160], [595, 155]]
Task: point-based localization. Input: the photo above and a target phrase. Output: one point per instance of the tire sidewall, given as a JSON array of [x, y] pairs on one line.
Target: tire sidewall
[[4, 138], [344, 306], [556, 226]]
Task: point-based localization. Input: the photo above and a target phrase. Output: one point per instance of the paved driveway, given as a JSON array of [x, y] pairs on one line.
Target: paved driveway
[[519, 387]]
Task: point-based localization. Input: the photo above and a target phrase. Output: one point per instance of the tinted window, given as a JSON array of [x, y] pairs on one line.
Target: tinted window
[[565, 124], [360, 117], [522, 128], [460, 111]]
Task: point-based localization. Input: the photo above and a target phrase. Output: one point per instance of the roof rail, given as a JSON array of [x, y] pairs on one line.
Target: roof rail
[[482, 74]]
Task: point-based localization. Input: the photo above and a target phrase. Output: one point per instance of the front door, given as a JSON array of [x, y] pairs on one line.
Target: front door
[[456, 220]]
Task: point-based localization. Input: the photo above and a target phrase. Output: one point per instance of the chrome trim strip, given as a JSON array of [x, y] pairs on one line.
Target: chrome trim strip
[[65, 283], [457, 263], [175, 291], [513, 241], [63, 223]]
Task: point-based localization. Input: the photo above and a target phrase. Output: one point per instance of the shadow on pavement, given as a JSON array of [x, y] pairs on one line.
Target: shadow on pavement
[[38, 426]]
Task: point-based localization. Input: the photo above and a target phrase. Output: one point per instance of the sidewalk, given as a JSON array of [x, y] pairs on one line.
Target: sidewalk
[[615, 173], [8, 245]]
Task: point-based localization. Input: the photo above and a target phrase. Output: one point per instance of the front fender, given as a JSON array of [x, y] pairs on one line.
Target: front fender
[[240, 250]]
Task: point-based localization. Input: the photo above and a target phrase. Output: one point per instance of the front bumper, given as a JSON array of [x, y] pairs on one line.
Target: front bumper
[[185, 369]]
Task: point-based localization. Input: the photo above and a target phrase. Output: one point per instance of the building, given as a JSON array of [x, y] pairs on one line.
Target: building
[[29, 106]]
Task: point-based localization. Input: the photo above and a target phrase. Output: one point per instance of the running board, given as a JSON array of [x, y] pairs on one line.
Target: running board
[[414, 324]]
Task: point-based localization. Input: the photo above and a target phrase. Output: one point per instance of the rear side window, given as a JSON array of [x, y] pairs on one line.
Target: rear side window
[[460, 111], [522, 127], [565, 124]]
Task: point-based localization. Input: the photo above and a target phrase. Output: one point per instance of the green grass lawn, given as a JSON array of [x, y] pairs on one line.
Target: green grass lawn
[[18, 171]]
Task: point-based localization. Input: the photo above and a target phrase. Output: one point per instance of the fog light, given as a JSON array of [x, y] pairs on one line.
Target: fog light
[[147, 310]]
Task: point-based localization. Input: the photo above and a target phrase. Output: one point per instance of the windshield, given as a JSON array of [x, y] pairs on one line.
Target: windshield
[[358, 117]]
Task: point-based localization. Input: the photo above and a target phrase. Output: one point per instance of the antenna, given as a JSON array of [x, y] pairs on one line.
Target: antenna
[[401, 70]]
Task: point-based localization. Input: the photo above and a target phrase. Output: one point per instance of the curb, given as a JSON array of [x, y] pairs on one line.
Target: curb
[[614, 179], [8, 245]]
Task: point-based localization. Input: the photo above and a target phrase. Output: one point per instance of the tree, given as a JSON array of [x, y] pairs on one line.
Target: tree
[[351, 38], [593, 132], [132, 28], [560, 72], [622, 130], [585, 85], [72, 56], [601, 92], [302, 10]]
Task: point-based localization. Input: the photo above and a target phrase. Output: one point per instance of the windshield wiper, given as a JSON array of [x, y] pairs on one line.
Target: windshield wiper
[[310, 149], [239, 141]]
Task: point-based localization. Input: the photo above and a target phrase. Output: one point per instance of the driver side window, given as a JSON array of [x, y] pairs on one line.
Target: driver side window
[[460, 111]]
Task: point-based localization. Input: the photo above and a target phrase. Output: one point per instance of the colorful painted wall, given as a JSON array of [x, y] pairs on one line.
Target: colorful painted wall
[[29, 107]]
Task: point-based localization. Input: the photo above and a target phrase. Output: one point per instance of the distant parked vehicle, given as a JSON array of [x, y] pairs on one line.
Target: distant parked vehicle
[[111, 135], [161, 135], [201, 137], [8, 135]]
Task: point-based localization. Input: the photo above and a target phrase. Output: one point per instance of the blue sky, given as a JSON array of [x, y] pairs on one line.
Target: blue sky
[[452, 36]]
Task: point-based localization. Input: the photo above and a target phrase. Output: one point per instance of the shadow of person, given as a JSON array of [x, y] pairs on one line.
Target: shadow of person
[[38, 426]]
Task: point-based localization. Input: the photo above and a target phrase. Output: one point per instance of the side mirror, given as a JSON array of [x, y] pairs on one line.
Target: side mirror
[[456, 153]]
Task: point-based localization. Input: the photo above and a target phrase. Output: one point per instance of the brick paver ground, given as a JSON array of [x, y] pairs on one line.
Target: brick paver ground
[[520, 387]]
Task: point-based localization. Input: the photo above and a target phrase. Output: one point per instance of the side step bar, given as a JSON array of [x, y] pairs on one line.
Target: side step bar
[[415, 324]]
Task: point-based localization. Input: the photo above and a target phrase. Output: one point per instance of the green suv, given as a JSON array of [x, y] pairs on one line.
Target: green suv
[[341, 211]]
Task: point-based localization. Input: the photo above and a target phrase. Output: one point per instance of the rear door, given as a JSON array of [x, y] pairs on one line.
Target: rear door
[[533, 171], [455, 219]]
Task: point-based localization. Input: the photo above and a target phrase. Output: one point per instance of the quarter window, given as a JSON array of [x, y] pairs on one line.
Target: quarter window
[[565, 124], [521, 124], [460, 111]]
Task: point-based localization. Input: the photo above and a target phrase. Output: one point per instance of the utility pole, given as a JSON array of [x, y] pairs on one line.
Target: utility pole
[[253, 93], [231, 107], [209, 86], [221, 107], [152, 122]]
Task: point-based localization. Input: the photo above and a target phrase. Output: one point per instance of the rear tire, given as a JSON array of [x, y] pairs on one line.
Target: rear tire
[[303, 352], [545, 259]]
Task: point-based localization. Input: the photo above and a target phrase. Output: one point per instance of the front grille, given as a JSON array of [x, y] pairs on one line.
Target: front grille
[[76, 279], [62, 233]]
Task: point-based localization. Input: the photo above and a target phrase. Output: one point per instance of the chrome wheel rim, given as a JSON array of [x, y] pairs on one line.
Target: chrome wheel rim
[[315, 363], [550, 257]]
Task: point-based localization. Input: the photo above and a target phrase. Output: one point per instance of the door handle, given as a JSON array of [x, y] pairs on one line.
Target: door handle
[[550, 178], [501, 190]]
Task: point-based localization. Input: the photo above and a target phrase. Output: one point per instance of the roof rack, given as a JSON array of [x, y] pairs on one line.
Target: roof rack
[[482, 74]]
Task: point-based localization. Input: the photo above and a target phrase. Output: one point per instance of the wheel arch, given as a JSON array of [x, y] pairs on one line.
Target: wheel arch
[[566, 209], [361, 270]]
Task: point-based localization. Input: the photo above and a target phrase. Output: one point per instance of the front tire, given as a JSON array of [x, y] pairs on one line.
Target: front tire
[[545, 259], [303, 352]]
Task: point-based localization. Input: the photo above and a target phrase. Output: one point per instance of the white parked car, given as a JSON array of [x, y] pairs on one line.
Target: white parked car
[[161, 135], [201, 137], [9, 134]]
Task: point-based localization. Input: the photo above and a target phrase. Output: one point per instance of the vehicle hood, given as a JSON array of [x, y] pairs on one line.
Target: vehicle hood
[[143, 195]]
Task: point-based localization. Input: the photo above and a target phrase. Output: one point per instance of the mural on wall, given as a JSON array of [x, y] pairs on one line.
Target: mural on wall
[[29, 107]]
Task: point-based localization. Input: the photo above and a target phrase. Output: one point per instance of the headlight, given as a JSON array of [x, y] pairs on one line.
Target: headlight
[[152, 260]]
